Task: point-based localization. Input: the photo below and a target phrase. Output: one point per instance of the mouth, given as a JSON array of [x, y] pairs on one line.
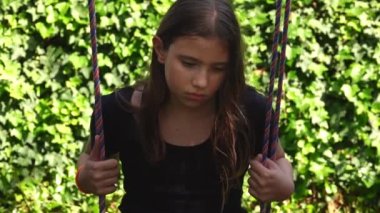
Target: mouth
[[196, 96]]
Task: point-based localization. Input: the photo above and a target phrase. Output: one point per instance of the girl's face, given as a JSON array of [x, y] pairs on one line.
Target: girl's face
[[195, 67]]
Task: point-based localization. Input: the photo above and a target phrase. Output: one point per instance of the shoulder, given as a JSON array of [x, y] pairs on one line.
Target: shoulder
[[117, 101], [254, 107], [253, 101], [117, 117], [116, 108]]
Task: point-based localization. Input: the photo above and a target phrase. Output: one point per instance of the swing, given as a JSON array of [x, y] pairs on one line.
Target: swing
[[271, 133]]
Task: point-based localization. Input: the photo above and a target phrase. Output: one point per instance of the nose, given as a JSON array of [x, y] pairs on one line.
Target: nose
[[200, 78]]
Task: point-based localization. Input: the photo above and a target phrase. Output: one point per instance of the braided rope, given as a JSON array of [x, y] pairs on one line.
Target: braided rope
[[268, 115], [98, 103], [271, 134], [274, 141]]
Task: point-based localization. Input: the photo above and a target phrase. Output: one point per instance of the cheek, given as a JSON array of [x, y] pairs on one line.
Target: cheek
[[219, 81], [174, 71], [172, 76]]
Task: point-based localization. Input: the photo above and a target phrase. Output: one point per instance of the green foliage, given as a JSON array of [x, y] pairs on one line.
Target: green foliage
[[329, 122], [330, 119]]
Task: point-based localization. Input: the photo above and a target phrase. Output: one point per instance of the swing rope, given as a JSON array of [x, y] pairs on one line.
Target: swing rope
[[270, 137], [98, 95], [270, 141]]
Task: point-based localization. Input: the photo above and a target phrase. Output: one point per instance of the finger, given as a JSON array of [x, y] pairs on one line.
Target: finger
[[109, 164], [259, 187], [263, 160], [259, 157], [102, 175], [106, 190], [96, 149], [258, 194], [270, 164], [252, 183], [111, 174], [254, 193], [109, 182], [256, 181], [252, 174], [258, 167]]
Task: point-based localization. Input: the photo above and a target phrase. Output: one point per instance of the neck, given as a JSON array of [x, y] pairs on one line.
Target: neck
[[181, 111]]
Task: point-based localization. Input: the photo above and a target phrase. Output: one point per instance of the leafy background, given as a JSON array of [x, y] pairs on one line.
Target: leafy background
[[329, 123]]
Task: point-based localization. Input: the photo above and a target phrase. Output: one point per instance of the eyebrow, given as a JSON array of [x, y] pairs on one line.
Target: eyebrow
[[185, 57]]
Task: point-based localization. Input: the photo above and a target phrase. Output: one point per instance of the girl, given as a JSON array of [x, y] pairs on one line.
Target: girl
[[186, 136]]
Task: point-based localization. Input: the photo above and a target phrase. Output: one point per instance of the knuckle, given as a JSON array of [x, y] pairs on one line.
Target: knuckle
[[97, 176], [250, 172], [110, 190], [117, 172], [266, 174], [115, 180], [93, 165], [264, 199], [261, 183], [252, 182], [96, 191], [114, 162], [251, 192], [258, 195]]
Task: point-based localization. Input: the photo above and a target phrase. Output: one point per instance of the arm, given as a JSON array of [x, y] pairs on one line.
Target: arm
[[93, 176], [287, 188], [99, 177], [271, 180], [283, 163], [83, 157]]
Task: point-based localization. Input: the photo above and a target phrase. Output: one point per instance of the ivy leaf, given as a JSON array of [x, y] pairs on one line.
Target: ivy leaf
[[45, 31]]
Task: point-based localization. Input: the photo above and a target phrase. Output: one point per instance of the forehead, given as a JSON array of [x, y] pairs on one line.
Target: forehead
[[207, 50]]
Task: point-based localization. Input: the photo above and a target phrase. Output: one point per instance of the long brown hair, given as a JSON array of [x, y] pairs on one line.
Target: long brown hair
[[205, 18]]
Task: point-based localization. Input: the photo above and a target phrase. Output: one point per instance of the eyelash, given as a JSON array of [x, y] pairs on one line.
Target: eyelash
[[219, 69], [192, 64], [188, 64]]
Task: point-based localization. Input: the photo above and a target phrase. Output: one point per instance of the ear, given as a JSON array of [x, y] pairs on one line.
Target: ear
[[158, 47]]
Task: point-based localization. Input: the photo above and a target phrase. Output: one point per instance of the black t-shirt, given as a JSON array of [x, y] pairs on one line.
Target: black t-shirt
[[186, 181]]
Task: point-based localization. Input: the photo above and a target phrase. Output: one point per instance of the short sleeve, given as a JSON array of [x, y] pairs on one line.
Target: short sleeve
[[114, 119], [255, 108]]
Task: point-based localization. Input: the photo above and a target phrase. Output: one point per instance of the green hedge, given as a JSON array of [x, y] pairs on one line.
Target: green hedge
[[331, 110]]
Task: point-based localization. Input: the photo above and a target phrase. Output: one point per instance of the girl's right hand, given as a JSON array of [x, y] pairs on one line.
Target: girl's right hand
[[98, 177]]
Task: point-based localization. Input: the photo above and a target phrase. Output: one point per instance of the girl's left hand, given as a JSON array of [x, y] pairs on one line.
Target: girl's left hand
[[268, 181]]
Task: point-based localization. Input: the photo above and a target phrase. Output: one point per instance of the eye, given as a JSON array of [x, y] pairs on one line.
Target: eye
[[220, 69], [188, 64]]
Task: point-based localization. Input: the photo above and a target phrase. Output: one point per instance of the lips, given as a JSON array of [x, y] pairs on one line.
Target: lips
[[196, 96]]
